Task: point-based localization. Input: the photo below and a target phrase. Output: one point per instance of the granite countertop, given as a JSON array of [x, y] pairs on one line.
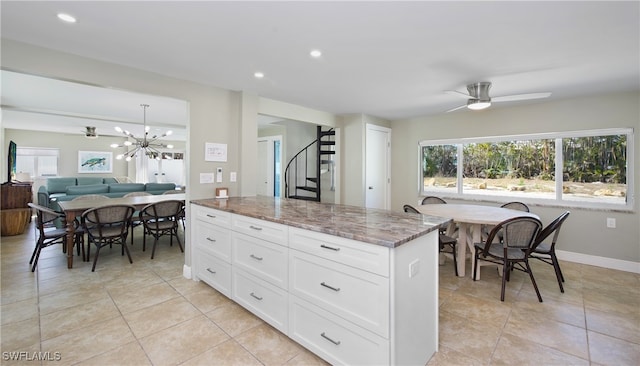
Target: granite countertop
[[374, 226]]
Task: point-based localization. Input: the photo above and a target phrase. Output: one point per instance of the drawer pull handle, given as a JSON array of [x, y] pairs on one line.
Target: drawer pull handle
[[256, 257], [211, 240], [210, 271], [328, 247], [212, 216], [255, 227], [255, 296], [337, 343], [336, 289]]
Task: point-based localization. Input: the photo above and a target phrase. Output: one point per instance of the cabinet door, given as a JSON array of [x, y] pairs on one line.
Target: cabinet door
[[214, 271], [268, 302], [355, 295], [213, 239], [333, 338], [261, 258], [261, 229], [211, 216], [368, 257]]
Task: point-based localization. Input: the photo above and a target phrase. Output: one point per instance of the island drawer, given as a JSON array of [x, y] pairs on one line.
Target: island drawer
[[261, 229], [368, 257], [333, 338], [357, 296], [264, 259], [211, 216], [213, 239], [214, 271], [266, 301]]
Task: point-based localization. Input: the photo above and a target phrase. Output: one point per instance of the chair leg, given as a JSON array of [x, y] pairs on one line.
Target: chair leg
[[35, 250], [455, 260], [533, 280], [556, 267], [95, 259], [475, 265], [35, 256], [126, 249], [178, 239], [505, 273], [155, 241]]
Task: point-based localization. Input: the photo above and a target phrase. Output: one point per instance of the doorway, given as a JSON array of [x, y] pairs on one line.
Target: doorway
[[378, 167], [269, 169]]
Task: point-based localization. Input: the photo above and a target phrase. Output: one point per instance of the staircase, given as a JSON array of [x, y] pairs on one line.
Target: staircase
[[303, 173]]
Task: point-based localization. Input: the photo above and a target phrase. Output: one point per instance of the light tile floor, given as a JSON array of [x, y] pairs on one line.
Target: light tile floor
[[147, 313]]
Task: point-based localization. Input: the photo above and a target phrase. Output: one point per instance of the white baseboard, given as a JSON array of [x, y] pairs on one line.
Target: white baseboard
[[186, 271], [593, 260]]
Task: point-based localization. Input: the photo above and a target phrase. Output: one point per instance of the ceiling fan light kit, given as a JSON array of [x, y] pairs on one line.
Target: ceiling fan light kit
[[478, 96], [146, 144]]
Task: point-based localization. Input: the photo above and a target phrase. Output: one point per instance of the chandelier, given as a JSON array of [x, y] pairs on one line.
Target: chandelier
[[146, 144]]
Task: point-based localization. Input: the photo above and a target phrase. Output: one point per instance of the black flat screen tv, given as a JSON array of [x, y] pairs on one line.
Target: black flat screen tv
[[11, 161]]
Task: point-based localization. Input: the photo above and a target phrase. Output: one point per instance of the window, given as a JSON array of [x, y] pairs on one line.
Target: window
[[37, 162], [582, 168]]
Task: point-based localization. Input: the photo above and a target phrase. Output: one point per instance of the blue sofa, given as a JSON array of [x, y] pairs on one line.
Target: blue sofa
[[65, 189]]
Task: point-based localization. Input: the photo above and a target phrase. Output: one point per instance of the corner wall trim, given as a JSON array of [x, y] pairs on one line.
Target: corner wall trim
[[593, 260], [186, 271]]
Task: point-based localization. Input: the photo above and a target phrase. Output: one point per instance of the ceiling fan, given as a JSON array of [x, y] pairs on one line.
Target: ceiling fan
[[478, 97]]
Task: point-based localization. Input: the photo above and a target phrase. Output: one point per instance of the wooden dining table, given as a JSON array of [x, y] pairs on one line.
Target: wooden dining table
[[470, 219], [73, 209]]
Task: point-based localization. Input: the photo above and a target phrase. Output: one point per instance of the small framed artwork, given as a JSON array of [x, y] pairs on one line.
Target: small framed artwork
[[215, 152], [95, 162], [222, 192]]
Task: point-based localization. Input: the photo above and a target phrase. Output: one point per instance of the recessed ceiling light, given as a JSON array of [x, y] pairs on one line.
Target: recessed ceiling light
[[258, 75], [315, 53], [66, 17]]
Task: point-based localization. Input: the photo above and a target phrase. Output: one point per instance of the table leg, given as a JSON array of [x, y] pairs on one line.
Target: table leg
[[71, 217], [462, 247]]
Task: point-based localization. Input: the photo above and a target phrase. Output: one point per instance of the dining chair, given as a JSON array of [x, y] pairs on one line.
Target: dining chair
[[515, 205], [443, 239], [181, 216], [432, 200], [159, 219], [513, 252], [545, 251], [452, 230], [135, 221], [48, 234], [107, 225]]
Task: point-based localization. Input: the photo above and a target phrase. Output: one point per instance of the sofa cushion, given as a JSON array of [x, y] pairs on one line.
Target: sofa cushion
[[87, 189], [110, 180], [83, 181], [59, 185], [159, 187], [126, 187]]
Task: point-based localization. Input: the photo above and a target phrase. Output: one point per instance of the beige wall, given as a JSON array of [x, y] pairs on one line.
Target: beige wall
[[585, 231], [223, 116]]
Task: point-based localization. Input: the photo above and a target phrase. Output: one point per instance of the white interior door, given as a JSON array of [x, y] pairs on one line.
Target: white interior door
[[377, 167], [264, 176]]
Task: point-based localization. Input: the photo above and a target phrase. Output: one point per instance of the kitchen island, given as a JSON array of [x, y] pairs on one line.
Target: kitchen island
[[353, 285]]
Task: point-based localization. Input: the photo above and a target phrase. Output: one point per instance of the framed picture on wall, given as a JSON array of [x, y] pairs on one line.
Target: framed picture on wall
[[95, 162]]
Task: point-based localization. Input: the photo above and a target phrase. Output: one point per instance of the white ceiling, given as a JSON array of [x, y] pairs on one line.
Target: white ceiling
[[387, 59]]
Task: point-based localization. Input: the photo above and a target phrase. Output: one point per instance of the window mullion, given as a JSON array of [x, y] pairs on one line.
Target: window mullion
[[460, 168], [559, 171]]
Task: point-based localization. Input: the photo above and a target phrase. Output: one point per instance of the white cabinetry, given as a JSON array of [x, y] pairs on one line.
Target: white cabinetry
[[212, 247], [347, 301]]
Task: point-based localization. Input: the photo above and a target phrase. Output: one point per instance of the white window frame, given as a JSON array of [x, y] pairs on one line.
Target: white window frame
[[557, 136], [38, 152]]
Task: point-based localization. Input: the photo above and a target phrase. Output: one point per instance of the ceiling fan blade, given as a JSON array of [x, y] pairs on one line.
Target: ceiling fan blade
[[456, 108], [509, 98], [459, 94]]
